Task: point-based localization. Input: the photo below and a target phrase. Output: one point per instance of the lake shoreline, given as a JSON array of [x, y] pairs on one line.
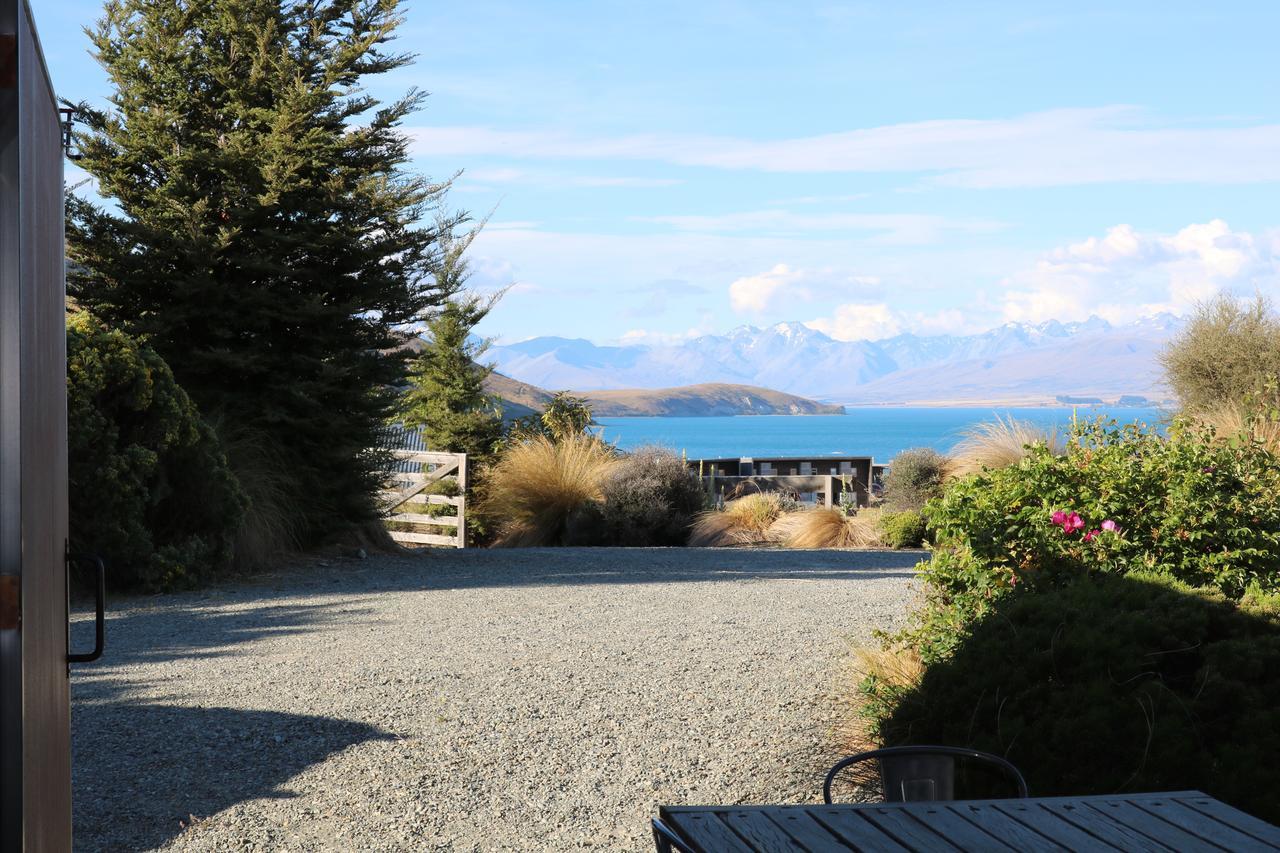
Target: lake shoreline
[[877, 431]]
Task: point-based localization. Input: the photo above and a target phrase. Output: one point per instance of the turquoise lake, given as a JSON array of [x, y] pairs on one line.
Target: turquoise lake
[[877, 432]]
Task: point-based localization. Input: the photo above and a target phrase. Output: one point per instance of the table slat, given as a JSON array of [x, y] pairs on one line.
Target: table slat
[[760, 832], [801, 826], [855, 830], [1155, 823], [1220, 811], [1203, 826], [899, 823], [1153, 827], [1047, 823], [1017, 835], [954, 827], [1099, 825], [706, 830]]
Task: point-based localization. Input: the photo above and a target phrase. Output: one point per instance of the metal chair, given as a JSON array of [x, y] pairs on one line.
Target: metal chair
[[922, 773], [666, 840]]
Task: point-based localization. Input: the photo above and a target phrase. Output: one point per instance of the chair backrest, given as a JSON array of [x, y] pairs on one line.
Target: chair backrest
[[923, 773], [666, 840]]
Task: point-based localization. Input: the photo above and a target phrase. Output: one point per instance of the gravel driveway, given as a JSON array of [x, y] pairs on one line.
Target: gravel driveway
[[461, 700]]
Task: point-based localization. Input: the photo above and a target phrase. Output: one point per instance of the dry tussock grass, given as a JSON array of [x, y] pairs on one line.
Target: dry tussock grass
[[899, 667], [537, 486], [1231, 421], [826, 527], [999, 444], [745, 521]]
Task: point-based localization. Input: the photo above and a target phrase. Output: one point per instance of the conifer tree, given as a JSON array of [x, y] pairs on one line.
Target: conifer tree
[[446, 398], [264, 234]]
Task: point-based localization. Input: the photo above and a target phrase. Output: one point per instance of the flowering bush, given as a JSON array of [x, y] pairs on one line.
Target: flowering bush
[[1183, 504], [1124, 594]]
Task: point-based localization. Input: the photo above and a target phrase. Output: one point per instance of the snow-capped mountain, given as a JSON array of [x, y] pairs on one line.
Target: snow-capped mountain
[[1014, 361]]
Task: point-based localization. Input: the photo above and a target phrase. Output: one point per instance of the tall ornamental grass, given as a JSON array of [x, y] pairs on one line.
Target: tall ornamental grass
[[998, 444], [745, 521], [826, 527], [540, 489], [1233, 422]]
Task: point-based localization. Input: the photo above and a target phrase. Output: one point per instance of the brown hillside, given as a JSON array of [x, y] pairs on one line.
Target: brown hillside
[[708, 399]]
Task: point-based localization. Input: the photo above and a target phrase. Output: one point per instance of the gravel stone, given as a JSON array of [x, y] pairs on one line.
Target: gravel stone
[[470, 700]]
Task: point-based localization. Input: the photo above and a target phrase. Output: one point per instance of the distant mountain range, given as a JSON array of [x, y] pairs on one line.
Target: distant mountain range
[[1013, 363], [521, 398]]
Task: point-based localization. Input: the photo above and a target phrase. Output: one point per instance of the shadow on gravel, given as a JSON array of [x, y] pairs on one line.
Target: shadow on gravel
[[221, 619], [183, 627], [516, 567], [141, 771]]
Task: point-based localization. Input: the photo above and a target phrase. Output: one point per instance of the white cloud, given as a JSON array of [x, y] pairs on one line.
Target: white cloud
[[860, 322], [757, 293], [1127, 273], [783, 285], [948, 321], [649, 337], [1051, 148], [872, 321]]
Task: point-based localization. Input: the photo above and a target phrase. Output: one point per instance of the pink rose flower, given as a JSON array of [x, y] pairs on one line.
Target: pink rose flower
[[1088, 537], [1059, 517], [1073, 522], [1110, 526]]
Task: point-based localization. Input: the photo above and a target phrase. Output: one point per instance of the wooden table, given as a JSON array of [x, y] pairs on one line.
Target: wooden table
[[1178, 821]]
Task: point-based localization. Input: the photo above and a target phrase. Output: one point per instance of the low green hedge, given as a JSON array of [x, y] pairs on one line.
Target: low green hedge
[[1109, 683], [906, 529]]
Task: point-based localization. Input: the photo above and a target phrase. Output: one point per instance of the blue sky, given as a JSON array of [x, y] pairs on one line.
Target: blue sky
[[661, 170]]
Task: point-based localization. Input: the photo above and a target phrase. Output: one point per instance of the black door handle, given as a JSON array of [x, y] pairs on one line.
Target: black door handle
[[100, 600]]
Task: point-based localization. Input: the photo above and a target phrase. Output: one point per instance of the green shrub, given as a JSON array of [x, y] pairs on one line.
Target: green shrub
[[1226, 351], [150, 489], [914, 477], [1108, 683], [904, 529], [651, 498], [1186, 505]]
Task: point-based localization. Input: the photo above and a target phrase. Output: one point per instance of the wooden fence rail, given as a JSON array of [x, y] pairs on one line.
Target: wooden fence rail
[[415, 472]]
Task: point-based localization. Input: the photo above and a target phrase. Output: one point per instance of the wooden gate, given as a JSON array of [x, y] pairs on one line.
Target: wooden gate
[[414, 489], [35, 737]]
